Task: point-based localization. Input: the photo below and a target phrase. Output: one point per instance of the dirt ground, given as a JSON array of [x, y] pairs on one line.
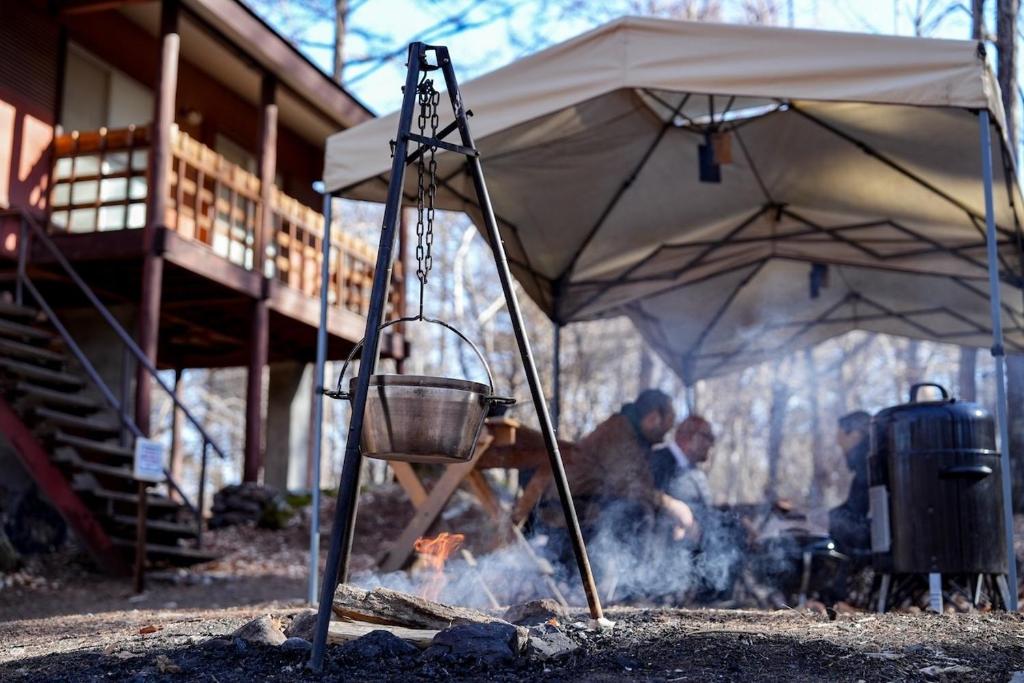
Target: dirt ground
[[649, 645], [59, 620]]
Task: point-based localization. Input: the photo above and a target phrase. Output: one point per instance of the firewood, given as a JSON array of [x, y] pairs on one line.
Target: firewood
[[344, 631], [385, 606]]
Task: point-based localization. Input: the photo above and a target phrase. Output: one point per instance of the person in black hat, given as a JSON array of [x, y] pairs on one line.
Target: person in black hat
[[848, 523]]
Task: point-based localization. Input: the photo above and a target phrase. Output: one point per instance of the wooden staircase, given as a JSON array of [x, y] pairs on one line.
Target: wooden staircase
[[70, 443]]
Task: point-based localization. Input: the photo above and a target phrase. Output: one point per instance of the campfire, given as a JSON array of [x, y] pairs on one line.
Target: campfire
[[434, 552]]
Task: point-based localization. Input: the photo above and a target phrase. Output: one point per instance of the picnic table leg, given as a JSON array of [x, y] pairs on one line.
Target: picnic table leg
[[409, 482], [431, 508]]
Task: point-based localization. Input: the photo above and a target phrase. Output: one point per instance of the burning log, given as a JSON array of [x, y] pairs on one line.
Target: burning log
[[392, 608]]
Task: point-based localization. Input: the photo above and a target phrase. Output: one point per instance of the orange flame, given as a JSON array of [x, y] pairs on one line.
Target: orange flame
[[435, 552]]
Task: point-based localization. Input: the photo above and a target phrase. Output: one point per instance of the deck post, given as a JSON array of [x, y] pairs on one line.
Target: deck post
[[260, 336], [156, 204], [174, 466]]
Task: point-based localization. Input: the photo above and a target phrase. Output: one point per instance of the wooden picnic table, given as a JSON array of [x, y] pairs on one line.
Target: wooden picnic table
[[503, 444]]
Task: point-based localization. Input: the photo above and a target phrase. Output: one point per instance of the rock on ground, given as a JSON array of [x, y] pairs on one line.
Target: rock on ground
[[535, 612], [378, 645], [302, 625], [261, 631], [547, 642], [487, 644]]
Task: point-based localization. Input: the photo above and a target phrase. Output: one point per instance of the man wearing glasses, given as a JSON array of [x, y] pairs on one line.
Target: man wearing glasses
[[678, 464]]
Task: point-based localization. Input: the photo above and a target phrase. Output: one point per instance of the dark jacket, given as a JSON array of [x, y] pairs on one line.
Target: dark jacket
[[848, 523]]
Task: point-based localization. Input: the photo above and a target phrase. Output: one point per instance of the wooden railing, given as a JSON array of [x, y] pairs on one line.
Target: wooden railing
[[100, 184]]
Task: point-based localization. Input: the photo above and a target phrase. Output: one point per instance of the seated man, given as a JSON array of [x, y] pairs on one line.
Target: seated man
[[716, 541], [613, 487], [848, 523], [677, 464]]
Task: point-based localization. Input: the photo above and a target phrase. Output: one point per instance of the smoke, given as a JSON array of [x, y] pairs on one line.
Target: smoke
[[510, 574], [631, 565]]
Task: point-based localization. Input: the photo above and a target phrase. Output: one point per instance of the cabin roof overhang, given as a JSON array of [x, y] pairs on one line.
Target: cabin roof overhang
[[236, 47]]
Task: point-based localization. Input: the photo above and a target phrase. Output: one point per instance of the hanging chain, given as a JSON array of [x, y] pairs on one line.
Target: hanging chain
[[426, 187]]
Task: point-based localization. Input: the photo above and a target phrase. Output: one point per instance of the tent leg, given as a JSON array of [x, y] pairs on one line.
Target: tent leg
[[998, 353], [556, 384], [318, 407]]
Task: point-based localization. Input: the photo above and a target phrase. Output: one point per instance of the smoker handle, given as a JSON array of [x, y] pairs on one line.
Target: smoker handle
[[966, 472], [915, 387]]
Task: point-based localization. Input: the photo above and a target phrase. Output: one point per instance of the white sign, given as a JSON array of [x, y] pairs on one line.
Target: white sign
[[150, 460]]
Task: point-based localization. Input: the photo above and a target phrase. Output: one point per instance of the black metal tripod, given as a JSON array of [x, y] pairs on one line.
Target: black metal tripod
[[345, 513]]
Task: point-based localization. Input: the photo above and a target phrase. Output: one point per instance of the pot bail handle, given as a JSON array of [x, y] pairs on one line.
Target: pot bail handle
[[915, 387], [340, 393]]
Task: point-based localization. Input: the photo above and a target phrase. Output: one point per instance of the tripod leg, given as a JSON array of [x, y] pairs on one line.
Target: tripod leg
[[526, 353], [348, 491]]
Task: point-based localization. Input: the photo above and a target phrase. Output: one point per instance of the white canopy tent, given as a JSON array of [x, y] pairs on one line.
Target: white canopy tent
[[857, 151], [851, 190]]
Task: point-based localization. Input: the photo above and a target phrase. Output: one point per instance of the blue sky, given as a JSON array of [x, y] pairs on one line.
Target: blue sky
[[490, 46]]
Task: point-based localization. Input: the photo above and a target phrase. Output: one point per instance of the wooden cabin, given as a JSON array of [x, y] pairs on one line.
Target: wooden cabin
[[169, 149]]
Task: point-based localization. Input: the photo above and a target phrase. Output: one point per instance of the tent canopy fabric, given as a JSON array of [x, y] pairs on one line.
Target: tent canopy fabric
[[848, 160]]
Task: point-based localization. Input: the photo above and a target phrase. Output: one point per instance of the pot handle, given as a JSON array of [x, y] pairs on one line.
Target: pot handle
[[339, 392], [914, 388], [966, 471]]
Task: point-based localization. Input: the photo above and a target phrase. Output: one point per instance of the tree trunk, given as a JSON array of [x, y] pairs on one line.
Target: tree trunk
[[646, 368], [776, 423], [1006, 43], [340, 16], [966, 386], [820, 470], [978, 19], [912, 370]]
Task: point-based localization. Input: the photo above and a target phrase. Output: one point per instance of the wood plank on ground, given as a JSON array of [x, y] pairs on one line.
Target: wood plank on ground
[[343, 631]]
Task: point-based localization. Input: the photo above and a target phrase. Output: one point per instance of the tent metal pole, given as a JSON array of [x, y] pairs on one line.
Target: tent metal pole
[[556, 379], [318, 405], [691, 399], [998, 354]]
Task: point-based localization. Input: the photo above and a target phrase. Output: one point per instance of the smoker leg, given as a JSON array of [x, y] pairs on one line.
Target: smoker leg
[[805, 580], [1004, 590], [883, 593], [977, 589], [935, 592]]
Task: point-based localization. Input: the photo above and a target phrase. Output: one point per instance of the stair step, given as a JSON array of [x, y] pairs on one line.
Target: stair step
[[153, 501], [93, 446], [171, 553], [9, 328], [96, 424], [121, 472], [34, 372], [34, 393], [31, 351], [179, 528], [9, 309]]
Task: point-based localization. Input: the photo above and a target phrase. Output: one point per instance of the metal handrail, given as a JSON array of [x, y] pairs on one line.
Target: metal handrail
[[28, 221]]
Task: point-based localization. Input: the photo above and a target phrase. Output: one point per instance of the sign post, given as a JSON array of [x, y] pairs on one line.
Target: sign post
[[149, 466]]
